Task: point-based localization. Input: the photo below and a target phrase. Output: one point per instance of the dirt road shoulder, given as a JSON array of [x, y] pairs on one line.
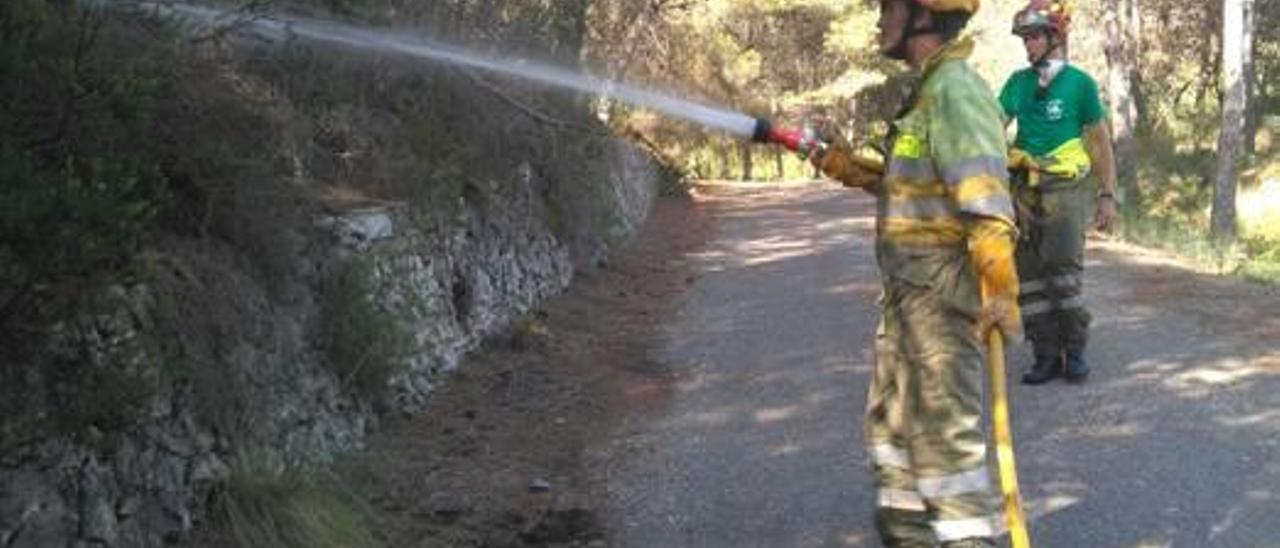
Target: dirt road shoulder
[[501, 457]]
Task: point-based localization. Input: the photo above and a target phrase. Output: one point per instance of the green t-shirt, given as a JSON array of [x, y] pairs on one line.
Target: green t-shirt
[[1046, 123]]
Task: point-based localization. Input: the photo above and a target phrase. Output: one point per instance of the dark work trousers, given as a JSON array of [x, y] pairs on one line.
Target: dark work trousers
[[1050, 255]]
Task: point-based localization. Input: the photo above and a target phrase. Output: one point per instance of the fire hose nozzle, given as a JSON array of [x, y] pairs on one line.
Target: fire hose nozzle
[[803, 141]]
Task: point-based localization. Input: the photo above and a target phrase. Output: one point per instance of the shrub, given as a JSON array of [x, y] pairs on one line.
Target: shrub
[[70, 232], [364, 346], [76, 199]]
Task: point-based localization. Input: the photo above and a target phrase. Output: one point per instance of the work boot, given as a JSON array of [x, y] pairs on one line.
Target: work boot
[[1044, 370], [1076, 370], [976, 542], [904, 528]]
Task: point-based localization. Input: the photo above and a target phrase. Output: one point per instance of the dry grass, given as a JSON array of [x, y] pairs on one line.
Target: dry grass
[[1174, 214], [258, 509]]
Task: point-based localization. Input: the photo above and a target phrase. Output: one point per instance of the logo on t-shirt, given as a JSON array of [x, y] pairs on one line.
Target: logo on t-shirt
[[1053, 110]]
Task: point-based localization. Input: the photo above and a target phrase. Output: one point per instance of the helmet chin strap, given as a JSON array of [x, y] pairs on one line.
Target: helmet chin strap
[[1042, 66], [909, 31], [1043, 60], [899, 50]]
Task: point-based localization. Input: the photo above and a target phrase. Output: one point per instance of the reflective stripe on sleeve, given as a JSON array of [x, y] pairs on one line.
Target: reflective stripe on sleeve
[[920, 208], [991, 166], [911, 169]]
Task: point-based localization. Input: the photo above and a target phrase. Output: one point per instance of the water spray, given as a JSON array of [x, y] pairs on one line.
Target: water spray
[[281, 28], [803, 141]]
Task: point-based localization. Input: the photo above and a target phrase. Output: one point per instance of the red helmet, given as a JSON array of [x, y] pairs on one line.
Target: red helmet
[[1049, 15]]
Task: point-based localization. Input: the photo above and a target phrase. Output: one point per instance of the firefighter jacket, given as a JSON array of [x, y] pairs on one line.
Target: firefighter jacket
[[946, 167]]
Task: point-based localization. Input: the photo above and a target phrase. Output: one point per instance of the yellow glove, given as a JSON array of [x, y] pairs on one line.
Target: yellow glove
[[991, 244], [1022, 161], [839, 162]]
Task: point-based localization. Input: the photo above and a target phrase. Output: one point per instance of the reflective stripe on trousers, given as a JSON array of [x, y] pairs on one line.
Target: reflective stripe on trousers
[[923, 426], [1050, 259]]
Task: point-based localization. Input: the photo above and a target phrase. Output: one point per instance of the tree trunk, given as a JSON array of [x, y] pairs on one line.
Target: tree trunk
[[620, 64], [746, 161], [1133, 33], [572, 33], [1234, 38], [723, 148], [1251, 115], [1121, 66]]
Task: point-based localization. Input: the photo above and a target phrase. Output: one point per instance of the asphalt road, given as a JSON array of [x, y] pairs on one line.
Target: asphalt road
[[756, 443]]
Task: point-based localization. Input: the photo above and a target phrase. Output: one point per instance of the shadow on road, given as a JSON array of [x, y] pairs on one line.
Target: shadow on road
[[1172, 442]]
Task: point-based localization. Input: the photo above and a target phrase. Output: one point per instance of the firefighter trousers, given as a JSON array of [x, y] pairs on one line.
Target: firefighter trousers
[[923, 423], [1052, 219]]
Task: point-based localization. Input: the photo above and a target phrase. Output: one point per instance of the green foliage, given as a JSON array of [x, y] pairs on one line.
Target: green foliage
[[109, 395], [578, 199], [73, 230], [65, 95], [1262, 258], [366, 8], [79, 201], [762, 58], [448, 163], [261, 509], [364, 345], [515, 26], [672, 181], [81, 219], [78, 194], [1173, 213], [1259, 209], [1176, 185], [99, 382], [768, 163], [1176, 232]]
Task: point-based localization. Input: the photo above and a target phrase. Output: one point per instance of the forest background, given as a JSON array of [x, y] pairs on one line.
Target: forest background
[[131, 149], [1191, 86], [1178, 94]]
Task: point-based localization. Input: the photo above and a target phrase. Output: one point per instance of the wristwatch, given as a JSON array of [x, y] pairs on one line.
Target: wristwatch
[[1106, 195]]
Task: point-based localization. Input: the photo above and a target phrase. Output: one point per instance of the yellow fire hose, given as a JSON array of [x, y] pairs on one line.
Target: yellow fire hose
[[1013, 516]]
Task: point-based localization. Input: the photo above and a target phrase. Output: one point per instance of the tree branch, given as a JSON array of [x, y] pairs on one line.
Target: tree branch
[[528, 110]]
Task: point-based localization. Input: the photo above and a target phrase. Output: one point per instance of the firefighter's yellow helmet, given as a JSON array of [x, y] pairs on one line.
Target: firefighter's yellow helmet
[[968, 6]]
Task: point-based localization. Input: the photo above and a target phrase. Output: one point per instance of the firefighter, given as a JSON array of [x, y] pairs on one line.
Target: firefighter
[[945, 242], [1062, 138]]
